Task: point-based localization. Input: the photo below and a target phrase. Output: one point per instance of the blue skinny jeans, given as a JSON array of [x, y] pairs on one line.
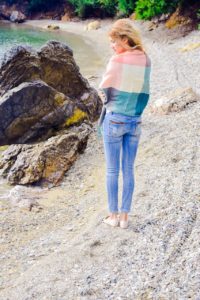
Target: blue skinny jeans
[[120, 132]]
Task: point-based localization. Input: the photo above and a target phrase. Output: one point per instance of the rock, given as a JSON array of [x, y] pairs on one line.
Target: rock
[[163, 17], [93, 25], [17, 16], [133, 16], [5, 11], [152, 26], [25, 198], [45, 162], [177, 19], [175, 102], [53, 27], [155, 20], [190, 47], [55, 66], [66, 17], [25, 118], [20, 64], [43, 94]]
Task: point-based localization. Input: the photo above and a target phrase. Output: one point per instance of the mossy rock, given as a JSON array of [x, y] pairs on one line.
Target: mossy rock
[[77, 117], [53, 27], [177, 19], [3, 148]]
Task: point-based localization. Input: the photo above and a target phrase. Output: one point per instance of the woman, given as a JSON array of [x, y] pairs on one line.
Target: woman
[[125, 87]]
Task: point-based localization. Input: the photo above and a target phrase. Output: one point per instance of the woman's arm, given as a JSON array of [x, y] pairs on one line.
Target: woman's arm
[[102, 95], [107, 81]]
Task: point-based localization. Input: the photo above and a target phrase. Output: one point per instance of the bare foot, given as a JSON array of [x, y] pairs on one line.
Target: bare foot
[[124, 216], [113, 216]]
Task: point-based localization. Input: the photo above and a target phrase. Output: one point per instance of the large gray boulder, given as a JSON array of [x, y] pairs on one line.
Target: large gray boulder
[[54, 64], [40, 91], [43, 94], [30, 111]]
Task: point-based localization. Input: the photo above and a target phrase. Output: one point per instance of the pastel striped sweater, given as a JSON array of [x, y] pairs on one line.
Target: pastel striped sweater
[[126, 83]]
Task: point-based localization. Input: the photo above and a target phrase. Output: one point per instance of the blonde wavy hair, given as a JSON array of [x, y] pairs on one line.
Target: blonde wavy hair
[[122, 28]]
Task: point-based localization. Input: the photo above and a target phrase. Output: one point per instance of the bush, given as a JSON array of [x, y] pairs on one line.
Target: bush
[[81, 6], [146, 9], [87, 8], [126, 6], [198, 19], [109, 7], [198, 14]]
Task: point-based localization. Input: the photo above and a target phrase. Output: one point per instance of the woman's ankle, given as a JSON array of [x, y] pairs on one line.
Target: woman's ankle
[[124, 216], [113, 215]]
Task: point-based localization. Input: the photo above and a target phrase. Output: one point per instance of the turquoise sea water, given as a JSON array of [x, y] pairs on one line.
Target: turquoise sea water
[[16, 34]]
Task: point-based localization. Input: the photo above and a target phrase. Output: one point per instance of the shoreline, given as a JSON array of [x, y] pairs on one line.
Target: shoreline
[[100, 44], [96, 39]]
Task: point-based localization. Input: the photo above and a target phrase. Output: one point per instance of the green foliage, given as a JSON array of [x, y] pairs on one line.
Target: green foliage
[[198, 18], [146, 9], [126, 6], [109, 6], [82, 6], [171, 5], [85, 8]]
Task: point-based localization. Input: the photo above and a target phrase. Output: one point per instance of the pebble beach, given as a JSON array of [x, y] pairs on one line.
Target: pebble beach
[[54, 245]]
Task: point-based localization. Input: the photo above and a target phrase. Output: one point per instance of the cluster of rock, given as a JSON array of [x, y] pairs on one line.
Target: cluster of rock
[[11, 14], [46, 111], [90, 26], [19, 11]]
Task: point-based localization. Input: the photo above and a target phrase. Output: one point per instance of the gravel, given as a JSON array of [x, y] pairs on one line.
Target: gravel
[[61, 250]]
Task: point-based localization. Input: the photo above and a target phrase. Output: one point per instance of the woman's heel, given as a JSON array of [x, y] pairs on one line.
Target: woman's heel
[[123, 224]]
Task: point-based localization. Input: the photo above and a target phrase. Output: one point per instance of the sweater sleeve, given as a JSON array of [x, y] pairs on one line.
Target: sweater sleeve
[[108, 76], [106, 81]]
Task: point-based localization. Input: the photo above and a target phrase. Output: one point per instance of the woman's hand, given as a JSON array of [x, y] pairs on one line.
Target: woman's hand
[[102, 95]]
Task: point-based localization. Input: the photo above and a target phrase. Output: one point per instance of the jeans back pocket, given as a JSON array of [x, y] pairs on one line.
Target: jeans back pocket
[[117, 128]]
